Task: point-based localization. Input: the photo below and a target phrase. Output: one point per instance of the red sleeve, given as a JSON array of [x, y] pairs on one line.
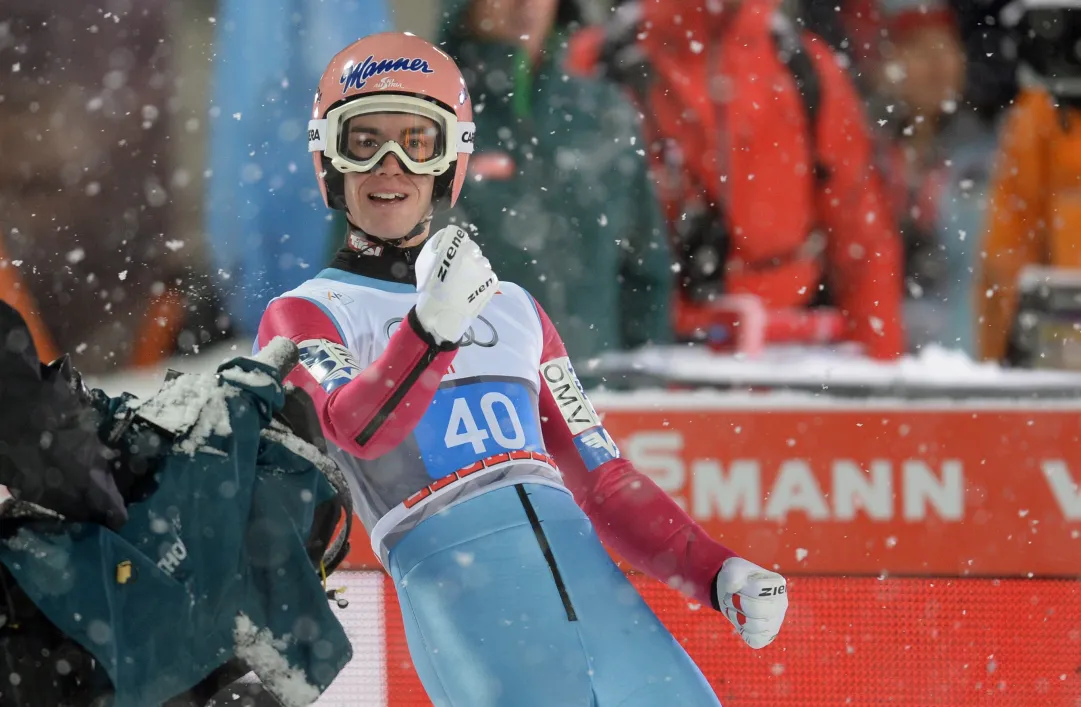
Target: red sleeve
[[365, 412], [863, 245], [631, 514]]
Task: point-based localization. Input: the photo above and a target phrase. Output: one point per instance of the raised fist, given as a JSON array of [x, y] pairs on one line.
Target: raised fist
[[455, 282]]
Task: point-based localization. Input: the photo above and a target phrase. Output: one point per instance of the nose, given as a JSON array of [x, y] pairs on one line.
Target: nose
[[390, 165]]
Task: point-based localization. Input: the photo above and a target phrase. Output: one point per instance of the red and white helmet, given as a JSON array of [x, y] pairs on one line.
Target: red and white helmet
[[399, 73]]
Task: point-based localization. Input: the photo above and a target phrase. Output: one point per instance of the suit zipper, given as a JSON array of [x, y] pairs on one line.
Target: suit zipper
[[396, 397], [546, 549]]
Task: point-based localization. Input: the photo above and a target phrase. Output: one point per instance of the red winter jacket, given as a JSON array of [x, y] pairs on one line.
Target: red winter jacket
[[751, 154]]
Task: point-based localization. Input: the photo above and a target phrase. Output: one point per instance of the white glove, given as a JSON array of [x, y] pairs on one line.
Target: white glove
[[455, 282], [754, 600]]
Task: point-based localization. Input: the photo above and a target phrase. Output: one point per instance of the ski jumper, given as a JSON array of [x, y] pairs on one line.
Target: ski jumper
[[486, 482]]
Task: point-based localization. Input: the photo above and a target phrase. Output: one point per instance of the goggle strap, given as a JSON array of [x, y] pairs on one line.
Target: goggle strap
[[466, 133], [317, 135]]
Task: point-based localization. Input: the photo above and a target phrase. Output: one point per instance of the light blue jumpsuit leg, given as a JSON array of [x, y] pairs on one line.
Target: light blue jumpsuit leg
[[487, 626], [635, 660], [483, 618]]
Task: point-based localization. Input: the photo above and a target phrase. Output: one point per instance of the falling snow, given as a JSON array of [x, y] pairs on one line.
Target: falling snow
[[147, 216]]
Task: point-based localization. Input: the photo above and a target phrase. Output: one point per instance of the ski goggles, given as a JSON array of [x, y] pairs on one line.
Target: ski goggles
[[358, 135]]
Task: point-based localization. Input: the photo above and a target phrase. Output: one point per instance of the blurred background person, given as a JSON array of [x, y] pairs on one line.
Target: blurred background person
[[856, 30], [87, 183], [935, 151], [266, 226], [583, 236], [1034, 215], [764, 161], [560, 194]]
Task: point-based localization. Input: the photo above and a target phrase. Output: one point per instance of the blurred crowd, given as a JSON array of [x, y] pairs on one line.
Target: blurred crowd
[[867, 173]]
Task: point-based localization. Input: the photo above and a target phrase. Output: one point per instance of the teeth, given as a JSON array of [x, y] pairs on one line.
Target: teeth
[[387, 195]]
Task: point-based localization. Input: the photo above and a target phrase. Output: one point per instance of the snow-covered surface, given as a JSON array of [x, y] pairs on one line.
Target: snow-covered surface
[[655, 399], [194, 405], [143, 382], [363, 681], [815, 369], [280, 434], [260, 650], [253, 379], [280, 353], [815, 376], [1033, 276]]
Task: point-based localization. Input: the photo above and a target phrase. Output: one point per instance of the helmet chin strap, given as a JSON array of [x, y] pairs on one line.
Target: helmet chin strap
[[394, 242]]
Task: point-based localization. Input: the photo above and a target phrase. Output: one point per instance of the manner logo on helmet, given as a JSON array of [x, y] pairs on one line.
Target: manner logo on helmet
[[357, 75]]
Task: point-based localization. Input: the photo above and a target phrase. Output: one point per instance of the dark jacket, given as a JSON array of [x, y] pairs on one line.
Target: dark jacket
[[762, 206], [50, 453], [229, 517]]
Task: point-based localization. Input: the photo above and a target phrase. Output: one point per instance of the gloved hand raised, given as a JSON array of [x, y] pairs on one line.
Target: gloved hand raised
[[455, 282]]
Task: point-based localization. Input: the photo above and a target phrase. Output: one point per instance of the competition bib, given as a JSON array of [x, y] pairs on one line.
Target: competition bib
[[475, 420]]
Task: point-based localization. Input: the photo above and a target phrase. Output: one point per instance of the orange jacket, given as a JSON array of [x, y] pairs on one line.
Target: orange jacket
[[1034, 215], [750, 153]]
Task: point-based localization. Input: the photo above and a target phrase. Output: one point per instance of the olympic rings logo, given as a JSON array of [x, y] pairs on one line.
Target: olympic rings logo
[[489, 339]]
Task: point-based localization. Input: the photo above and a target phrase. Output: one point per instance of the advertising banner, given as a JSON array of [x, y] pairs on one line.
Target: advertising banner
[[912, 490]]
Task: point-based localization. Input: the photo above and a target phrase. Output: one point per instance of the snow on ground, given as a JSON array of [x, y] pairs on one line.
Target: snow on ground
[[804, 368], [143, 382], [814, 374], [194, 406]]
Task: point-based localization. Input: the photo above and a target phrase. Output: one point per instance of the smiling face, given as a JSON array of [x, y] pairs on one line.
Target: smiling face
[[388, 201]]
